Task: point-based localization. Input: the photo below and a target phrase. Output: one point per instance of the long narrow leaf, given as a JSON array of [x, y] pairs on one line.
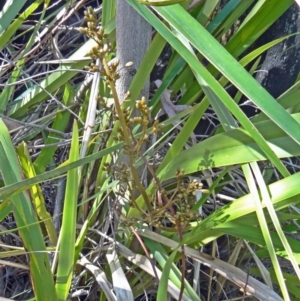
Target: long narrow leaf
[[264, 229], [68, 230], [267, 199], [229, 67], [36, 193], [27, 222]]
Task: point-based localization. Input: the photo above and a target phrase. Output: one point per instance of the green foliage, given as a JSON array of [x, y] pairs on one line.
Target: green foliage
[[107, 200]]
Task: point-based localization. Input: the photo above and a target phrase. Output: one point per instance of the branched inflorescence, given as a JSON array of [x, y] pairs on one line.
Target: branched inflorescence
[[166, 208]]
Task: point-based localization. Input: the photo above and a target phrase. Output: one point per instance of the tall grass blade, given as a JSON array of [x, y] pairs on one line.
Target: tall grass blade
[[264, 228], [66, 248], [27, 223]]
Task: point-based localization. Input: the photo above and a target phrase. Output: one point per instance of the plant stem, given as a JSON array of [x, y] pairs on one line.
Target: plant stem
[[126, 137]]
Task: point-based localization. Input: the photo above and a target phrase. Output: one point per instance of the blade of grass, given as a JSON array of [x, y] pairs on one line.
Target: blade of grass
[[8, 14], [145, 68], [120, 283], [108, 11], [68, 230], [100, 278], [229, 14], [5, 209], [163, 283], [264, 228], [267, 200], [262, 268], [208, 8], [261, 17], [10, 31], [36, 193], [26, 221]]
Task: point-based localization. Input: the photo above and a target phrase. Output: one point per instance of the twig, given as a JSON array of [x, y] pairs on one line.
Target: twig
[[246, 283], [146, 251], [126, 138], [177, 222]]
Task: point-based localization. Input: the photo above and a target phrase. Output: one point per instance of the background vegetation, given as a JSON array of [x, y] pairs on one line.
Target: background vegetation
[[189, 199]]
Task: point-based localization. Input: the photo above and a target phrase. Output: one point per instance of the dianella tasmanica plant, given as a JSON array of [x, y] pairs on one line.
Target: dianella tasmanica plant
[[163, 208]]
